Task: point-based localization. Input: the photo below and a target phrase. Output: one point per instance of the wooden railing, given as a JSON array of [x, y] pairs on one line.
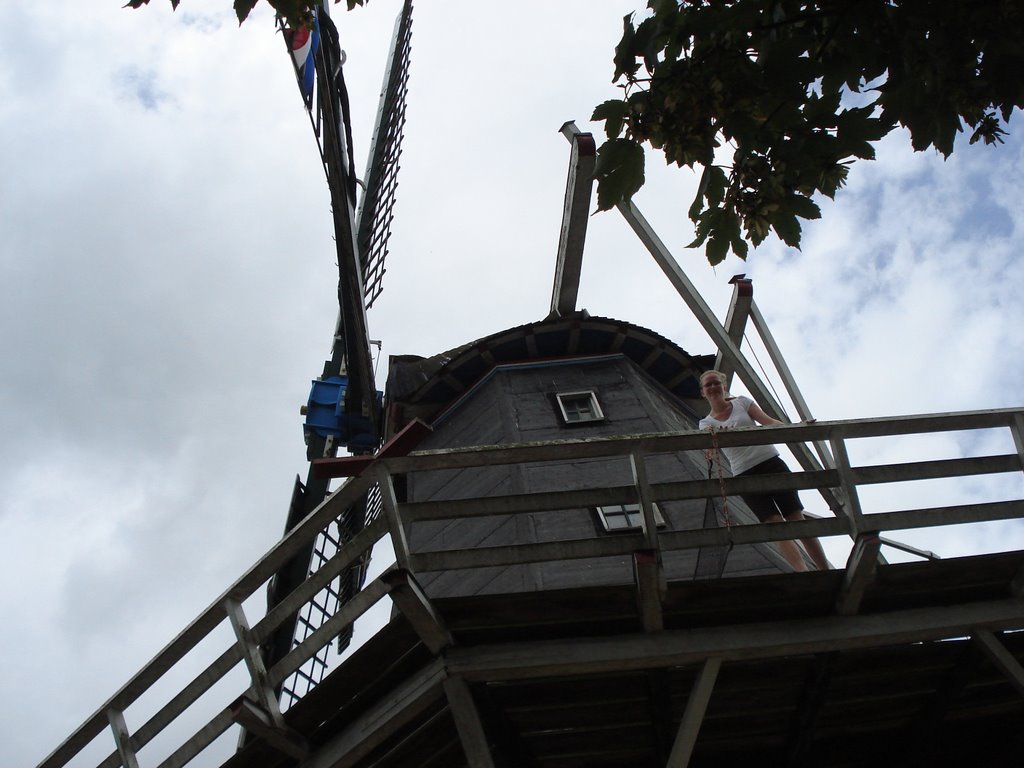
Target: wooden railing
[[842, 481]]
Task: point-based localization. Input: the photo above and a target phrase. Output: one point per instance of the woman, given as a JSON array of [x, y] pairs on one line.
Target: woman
[[728, 412]]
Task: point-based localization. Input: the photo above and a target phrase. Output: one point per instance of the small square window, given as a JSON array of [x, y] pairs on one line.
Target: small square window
[[626, 517], [578, 407]]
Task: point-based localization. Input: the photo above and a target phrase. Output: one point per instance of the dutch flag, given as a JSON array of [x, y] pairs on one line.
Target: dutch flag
[[303, 43]]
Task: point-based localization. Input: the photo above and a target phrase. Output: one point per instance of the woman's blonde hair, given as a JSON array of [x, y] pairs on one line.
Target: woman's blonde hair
[[709, 374]]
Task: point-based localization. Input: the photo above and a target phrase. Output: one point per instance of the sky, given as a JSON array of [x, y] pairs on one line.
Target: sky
[[167, 292]]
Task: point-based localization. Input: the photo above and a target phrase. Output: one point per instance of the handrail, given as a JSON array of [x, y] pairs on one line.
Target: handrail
[[639, 445]]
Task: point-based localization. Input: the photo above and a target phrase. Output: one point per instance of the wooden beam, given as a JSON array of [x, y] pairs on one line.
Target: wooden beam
[[803, 410], [352, 466], [735, 322], [360, 396], [450, 509], [350, 553], [1002, 658], [918, 747], [481, 557], [468, 723], [579, 188], [259, 722], [377, 724], [555, 450], [651, 585], [203, 738], [521, 661], [693, 716], [346, 615], [812, 698], [414, 604], [861, 567]]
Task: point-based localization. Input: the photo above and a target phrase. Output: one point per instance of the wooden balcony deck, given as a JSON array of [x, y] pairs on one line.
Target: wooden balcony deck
[[804, 668]]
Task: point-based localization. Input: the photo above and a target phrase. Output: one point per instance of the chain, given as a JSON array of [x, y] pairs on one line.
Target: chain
[[721, 477]]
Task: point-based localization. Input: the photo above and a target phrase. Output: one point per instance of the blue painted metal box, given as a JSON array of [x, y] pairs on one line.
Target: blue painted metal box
[[325, 414]]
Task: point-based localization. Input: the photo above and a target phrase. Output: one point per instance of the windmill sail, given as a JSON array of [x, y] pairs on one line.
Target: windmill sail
[[360, 264], [376, 210]]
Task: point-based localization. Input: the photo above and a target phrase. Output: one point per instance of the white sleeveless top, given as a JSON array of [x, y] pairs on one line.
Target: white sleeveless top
[[742, 457]]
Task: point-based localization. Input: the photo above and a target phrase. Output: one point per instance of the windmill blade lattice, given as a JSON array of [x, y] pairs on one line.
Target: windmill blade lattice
[[376, 209]]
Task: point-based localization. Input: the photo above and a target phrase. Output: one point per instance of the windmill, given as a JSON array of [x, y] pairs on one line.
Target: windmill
[[650, 661], [344, 406]]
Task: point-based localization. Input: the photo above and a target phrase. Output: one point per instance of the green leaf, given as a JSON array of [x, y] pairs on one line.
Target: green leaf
[[624, 60], [619, 171], [787, 228], [717, 250], [703, 230], [243, 7], [613, 112], [698, 201], [739, 245], [802, 206]]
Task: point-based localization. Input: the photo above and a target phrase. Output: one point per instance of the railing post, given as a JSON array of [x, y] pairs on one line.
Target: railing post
[[1017, 430], [643, 492], [124, 742], [261, 687], [852, 506]]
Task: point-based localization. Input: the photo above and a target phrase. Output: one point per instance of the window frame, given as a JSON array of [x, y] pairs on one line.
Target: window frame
[[625, 511], [594, 413]]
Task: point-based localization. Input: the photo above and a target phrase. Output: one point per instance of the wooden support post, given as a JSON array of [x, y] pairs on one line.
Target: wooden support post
[[414, 604], [579, 188], [468, 723], [860, 572], [735, 322], [651, 586], [643, 492], [389, 500], [852, 501], [125, 747], [693, 716], [1001, 657]]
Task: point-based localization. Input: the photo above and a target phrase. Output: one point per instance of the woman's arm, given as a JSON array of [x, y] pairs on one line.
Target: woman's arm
[[760, 416]]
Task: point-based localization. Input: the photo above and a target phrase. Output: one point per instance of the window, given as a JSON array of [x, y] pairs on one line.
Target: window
[[578, 407], [626, 517]]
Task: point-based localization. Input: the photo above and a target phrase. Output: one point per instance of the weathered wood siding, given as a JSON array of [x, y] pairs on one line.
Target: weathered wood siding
[[517, 404]]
